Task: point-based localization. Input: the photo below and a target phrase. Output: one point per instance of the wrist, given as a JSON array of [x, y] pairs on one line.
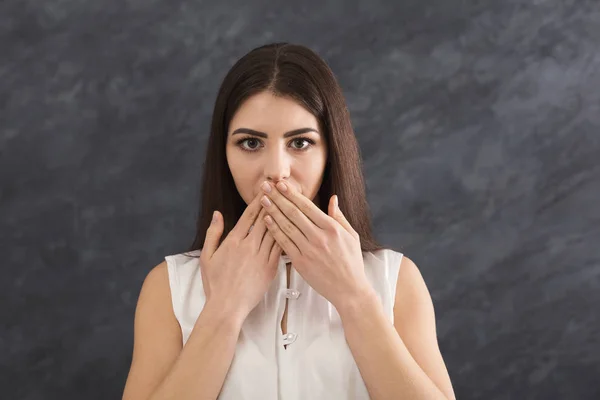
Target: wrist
[[354, 306], [221, 314]]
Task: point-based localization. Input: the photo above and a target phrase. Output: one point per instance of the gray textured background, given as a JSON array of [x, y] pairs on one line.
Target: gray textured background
[[478, 122]]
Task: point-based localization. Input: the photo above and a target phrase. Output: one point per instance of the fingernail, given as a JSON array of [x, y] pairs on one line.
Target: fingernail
[[266, 187], [266, 202], [281, 186], [214, 218]]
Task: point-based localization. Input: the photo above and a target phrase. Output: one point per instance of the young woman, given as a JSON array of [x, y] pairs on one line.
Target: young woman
[[285, 294]]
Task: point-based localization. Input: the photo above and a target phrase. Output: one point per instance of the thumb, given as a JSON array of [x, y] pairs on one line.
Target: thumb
[[213, 234], [336, 213]]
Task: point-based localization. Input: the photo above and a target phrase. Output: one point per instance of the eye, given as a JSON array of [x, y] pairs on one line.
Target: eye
[[252, 143], [302, 140], [249, 140]]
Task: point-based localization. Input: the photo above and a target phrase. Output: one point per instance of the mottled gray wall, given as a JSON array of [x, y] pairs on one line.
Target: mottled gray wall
[[478, 122]]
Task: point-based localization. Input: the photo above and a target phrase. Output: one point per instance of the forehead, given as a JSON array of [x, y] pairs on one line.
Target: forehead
[[272, 114]]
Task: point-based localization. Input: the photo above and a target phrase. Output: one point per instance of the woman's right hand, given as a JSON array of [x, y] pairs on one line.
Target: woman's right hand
[[237, 274]]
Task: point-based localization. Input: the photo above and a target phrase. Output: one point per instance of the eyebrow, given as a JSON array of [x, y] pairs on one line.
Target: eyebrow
[[264, 135]]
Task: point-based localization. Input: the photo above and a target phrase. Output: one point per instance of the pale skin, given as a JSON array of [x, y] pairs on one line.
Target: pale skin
[[399, 360], [396, 361], [296, 155]]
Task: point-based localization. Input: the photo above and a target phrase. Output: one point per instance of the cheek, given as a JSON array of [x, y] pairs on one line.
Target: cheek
[[236, 164], [241, 174], [310, 174], [315, 166], [237, 169]]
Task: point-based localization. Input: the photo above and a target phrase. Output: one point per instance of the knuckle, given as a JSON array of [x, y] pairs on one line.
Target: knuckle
[[294, 212], [252, 213], [331, 225], [321, 242], [305, 208], [287, 228], [335, 230]]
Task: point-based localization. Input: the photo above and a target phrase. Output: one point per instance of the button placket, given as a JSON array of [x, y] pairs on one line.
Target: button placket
[[289, 338], [291, 293]]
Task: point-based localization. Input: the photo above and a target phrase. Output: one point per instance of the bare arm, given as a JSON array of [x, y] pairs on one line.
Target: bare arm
[[401, 362], [161, 367]]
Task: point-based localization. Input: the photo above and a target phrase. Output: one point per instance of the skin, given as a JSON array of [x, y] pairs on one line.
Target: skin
[[400, 360], [275, 158], [261, 146]]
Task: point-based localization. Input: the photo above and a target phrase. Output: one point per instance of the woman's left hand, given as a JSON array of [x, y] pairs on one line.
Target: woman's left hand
[[324, 249]]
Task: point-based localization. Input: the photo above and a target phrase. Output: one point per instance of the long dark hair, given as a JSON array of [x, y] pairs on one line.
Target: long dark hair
[[299, 73]]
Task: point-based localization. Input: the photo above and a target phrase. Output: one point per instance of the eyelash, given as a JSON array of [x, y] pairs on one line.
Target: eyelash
[[242, 140]]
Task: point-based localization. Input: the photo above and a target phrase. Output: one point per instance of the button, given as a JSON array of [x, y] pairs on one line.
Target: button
[[292, 293], [289, 338]]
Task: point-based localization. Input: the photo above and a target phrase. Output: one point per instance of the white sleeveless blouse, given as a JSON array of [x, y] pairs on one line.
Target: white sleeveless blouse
[[317, 363]]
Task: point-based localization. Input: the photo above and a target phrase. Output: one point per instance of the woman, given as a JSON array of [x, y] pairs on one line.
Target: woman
[[289, 298]]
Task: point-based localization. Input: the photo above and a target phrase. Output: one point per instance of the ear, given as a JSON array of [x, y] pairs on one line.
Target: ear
[[337, 214]]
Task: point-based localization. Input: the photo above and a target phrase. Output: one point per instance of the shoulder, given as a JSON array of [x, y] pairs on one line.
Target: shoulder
[[157, 274], [414, 312], [409, 272], [155, 288], [154, 311], [168, 281], [411, 291], [154, 315]]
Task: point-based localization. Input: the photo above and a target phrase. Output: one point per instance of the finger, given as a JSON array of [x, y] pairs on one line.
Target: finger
[[258, 229], [284, 241], [241, 228], [290, 197], [293, 214], [288, 228], [338, 215], [213, 234], [275, 253], [267, 244]]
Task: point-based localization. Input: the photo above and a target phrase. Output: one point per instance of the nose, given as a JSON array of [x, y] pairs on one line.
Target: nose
[[276, 165]]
